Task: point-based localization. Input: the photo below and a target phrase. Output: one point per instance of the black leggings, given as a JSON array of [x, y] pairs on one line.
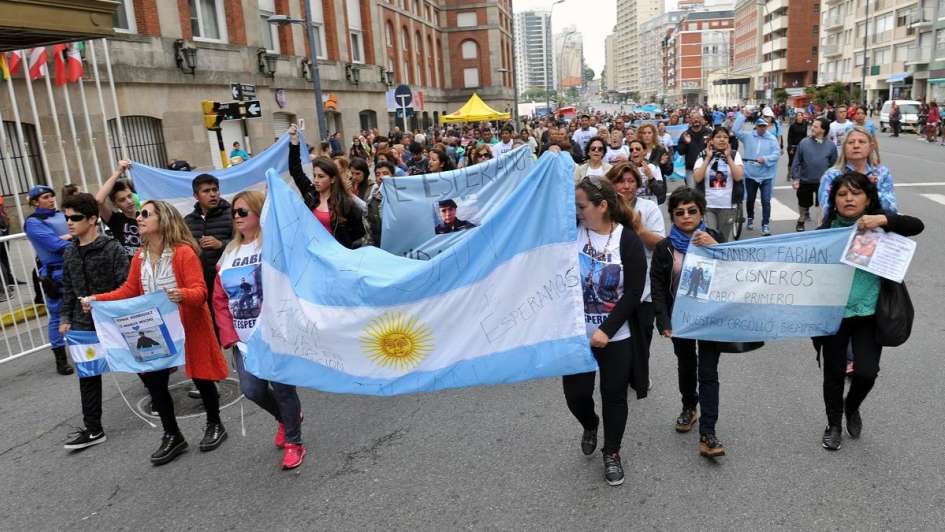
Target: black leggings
[[614, 363], [860, 331], [156, 382]]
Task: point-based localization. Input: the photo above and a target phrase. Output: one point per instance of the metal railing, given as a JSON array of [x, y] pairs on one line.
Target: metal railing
[[23, 321]]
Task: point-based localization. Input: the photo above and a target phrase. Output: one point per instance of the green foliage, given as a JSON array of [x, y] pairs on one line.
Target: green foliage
[[832, 93], [780, 94]]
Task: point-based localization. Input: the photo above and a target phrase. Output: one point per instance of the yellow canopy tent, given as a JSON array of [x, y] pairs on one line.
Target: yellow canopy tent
[[474, 110]]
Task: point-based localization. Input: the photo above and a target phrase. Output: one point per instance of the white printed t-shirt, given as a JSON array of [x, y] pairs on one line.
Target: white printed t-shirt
[[601, 278], [241, 277], [719, 182]]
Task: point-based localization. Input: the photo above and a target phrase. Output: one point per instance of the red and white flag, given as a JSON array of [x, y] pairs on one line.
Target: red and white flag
[[14, 60], [74, 68], [38, 58]]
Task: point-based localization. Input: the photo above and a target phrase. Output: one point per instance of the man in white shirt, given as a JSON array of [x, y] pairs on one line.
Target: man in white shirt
[[584, 134], [505, 143], [839, 127]]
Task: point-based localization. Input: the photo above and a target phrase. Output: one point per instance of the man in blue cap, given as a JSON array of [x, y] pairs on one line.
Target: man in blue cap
[[760, 151], [49, 234]]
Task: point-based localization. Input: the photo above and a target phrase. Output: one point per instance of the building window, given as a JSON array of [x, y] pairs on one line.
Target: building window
[[389, 35], [469, 50], [404, 38], [368, 119], [268, 33], [124, 18], [357, 47], [23, 163], [466, 19], [318, 21], [470, 77], [144, 139], [207, 20], [355, 29]]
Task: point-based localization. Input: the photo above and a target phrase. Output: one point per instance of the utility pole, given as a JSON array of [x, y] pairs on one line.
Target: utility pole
[[316, 77]]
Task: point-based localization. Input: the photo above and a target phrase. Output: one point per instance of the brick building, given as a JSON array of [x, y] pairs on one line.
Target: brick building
[[700, 43]]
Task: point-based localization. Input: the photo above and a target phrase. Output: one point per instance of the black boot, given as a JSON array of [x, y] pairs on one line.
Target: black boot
[[172, 445], [213, 436], [62, 365]]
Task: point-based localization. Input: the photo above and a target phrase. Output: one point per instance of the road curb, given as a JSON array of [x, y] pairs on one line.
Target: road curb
[[24, 313]]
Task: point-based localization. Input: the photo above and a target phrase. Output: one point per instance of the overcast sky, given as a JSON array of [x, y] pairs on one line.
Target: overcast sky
[[593, 18]]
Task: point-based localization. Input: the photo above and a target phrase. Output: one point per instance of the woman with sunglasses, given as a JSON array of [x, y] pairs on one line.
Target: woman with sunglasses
[[595, 165], [855, 200], [686, 210], [237, 301], [654, 188], [651, 229], [168, 261], [327, 196], [613, 272], [718, 174]]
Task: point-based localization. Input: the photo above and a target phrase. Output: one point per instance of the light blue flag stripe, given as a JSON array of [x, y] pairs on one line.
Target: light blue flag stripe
[[778, 300], [86, 368], [366, 270], [119, 353]]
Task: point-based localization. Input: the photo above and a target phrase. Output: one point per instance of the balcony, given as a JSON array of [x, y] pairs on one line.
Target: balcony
[[774, 65], [832, 3], [774, 5], [774, 45], [921, 17], [832, 22], [919, 55], [776, 23], [830, 50]]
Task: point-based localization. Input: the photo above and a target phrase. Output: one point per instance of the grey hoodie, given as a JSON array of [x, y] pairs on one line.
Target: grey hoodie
[[812, 159]]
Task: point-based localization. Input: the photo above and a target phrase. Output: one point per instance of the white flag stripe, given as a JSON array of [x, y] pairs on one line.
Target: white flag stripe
[[780, 283]]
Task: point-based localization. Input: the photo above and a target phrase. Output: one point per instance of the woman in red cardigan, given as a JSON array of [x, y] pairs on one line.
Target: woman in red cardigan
[[168, 260]]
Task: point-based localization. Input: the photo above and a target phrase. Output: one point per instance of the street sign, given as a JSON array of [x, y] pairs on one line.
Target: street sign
[[242, 91], [229, 111], [403, 96], [253, 110], [399, 113]]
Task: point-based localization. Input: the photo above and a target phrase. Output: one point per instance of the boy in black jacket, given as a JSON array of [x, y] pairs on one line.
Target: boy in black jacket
[[92, 264]]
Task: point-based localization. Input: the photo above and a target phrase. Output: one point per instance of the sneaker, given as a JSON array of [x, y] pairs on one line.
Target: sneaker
[[687, 418], [613, 469], [750, 224], [854, 424], [765, 230], [213, 436], [710, 446], [833, 438], [293, 455], [193, 393], [81, 439], [800, 227], [849, 368], [172, 446], [280, 436], [151, 410], [589, 442]]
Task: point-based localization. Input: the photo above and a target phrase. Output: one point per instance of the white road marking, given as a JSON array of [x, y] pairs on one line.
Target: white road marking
[[779, 211], [937, 198], [897, 185]]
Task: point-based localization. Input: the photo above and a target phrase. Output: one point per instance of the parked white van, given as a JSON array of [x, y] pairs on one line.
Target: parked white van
[[909, 110]]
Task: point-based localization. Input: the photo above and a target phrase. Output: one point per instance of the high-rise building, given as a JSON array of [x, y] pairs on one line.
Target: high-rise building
[[569, 58], [700, 43], [610, 63], [630, 14], [747, 41], [789, 44], [652, 32], [533, 53]]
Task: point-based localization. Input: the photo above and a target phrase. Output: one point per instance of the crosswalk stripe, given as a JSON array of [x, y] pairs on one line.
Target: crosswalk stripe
[[937, 198], [897, 185], [779, 211]]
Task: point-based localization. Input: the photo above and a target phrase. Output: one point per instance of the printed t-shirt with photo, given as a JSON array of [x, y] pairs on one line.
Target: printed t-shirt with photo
[[718, 181], [601, 277], [241, 277]]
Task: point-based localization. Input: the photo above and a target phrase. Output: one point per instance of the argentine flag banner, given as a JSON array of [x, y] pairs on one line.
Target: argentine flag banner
[[87, 353], [502, 305], [140, 334], [175, 188], [422, 215], [784, 286]]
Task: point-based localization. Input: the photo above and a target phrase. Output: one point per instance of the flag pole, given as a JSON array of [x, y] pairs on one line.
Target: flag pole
[[90, 45], [27, 78], [55, 117], [88, 130], [75, 137]]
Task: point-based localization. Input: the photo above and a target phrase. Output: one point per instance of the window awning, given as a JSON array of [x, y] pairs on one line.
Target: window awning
[[900, 77], [28, 23]]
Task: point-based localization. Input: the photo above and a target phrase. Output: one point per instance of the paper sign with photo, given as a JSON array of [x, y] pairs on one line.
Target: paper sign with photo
[[881, 253]]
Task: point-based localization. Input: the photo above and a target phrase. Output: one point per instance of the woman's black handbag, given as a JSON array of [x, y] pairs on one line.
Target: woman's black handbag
[[739, 347], [894, 314]]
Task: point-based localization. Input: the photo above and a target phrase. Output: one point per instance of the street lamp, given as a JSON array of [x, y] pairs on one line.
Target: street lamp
[[313, 63], [185, 55]]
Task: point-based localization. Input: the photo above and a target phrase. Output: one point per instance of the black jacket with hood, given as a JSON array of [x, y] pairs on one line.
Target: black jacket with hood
[[98, 267]]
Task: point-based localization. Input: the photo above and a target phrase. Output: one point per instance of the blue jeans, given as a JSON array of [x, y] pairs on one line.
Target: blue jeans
[[53, 306], [280, 400], [766, 186], [700, 369]]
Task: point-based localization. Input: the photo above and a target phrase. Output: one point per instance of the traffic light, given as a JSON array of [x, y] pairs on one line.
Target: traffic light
[[211, 115]]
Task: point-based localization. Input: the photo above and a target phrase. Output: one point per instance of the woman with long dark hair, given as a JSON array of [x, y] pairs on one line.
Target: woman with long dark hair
[[613, 270], [326, 195], [854, 200]]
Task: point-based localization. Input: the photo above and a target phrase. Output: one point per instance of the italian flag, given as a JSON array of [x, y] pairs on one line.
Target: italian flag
[[68, 63]]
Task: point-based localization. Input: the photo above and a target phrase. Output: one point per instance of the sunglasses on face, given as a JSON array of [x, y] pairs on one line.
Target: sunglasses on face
[[76, 217], [691, 211], [636, 149], [144, 214], [241, 213], [485, 155], [596, 148]]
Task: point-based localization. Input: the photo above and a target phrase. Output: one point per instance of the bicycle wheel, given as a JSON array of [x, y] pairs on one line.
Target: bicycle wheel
[[739, 222]]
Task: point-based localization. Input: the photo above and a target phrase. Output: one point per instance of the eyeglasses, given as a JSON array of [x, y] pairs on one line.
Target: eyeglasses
[[636, 149], [241, 213], [596, 148], [143, 214], [76, 217], [691, 211], [485, 155]]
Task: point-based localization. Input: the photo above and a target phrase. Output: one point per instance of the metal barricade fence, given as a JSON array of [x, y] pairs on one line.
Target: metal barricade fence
[[23, 321]]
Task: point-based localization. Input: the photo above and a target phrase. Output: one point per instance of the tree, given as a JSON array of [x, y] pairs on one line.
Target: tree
[[538, 95], [780, 95], [588, 74]]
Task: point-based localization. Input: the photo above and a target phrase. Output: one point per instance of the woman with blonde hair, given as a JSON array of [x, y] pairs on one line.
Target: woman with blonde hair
[[237, 302], [860, 153], [168, 261], [656, 153]]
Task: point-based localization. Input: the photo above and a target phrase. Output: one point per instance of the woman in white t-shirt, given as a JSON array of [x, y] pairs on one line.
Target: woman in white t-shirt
[[237, 302], [718, 174], [654, 188], [595, 165], [613, 272]]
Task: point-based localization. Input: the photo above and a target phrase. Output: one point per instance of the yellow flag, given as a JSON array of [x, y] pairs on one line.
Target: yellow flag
[[4, 69]]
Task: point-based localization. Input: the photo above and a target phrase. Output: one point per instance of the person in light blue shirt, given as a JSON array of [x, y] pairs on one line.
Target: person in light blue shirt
[[760, 152], [860, 154]]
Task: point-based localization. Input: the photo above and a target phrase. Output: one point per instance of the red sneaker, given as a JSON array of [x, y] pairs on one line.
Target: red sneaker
[[280, 436], [293, 455]]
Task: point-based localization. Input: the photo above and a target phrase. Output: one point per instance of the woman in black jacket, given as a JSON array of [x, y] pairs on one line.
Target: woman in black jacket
[[854, 200], [686, 210], [655, 152], [327, 197], [613, 270], [796, 133]]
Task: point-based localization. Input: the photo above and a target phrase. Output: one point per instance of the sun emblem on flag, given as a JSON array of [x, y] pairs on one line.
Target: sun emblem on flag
[[395, 340], [89, 353]]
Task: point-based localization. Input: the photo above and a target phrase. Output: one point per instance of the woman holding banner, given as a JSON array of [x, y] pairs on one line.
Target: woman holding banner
[[237, 302], [613, 271], [854, 199], [687, 209], [168, 261]]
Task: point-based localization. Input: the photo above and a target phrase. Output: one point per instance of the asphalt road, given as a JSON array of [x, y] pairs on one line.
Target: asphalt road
[[507, 457]]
